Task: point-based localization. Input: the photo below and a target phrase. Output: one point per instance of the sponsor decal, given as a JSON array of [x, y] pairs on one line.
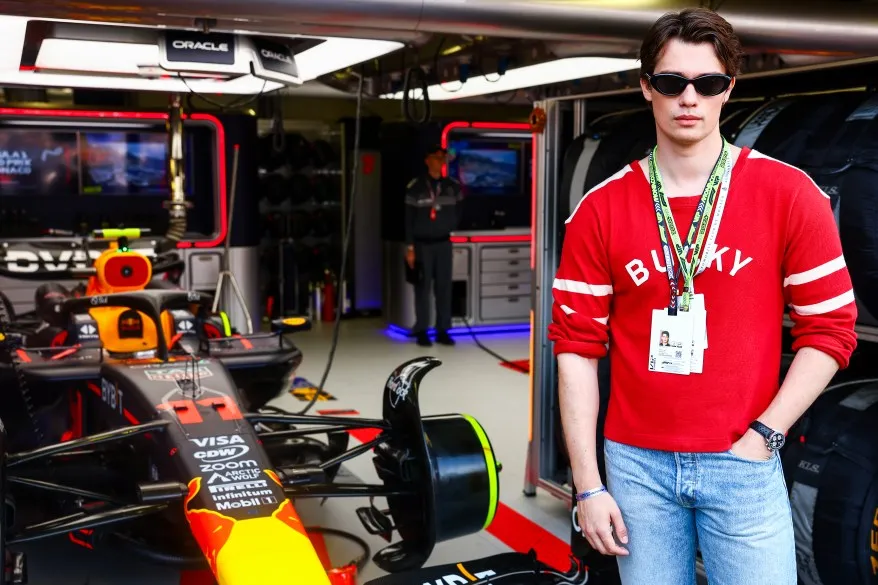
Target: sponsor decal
[[32, 260], [808, 466], [399, 390], [174, 373], [226, 448], [276, 59], [247, 464], [234, 475], [130, 325], [247, 503], [275, 56], [200, 46], [239, 487], [111, 395], [195, 47], [240, 491]]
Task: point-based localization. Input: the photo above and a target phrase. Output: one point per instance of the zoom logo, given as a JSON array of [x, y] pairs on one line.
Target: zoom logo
[[227, 448]]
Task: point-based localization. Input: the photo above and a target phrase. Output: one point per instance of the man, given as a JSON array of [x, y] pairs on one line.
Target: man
[[432, 212], [691, 436]]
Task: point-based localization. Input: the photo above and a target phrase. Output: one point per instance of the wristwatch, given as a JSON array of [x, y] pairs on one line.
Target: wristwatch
[[774, 440]]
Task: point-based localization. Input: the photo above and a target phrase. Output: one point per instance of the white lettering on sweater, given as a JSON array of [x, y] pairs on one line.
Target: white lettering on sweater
[[640, 273]]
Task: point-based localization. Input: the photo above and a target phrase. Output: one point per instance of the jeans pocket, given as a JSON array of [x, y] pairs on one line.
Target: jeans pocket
[[737, 457]]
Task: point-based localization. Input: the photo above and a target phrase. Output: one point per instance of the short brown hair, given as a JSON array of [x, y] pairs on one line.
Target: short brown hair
[[693, 25]]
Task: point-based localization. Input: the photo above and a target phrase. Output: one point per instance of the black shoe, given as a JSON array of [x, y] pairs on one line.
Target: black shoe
[[443, 338], [423, 340]]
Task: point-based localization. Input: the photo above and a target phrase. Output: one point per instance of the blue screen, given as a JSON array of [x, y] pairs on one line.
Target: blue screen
[[120, 163], [486, 171]]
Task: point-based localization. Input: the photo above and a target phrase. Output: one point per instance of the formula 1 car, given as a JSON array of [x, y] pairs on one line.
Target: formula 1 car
[[142, 429]]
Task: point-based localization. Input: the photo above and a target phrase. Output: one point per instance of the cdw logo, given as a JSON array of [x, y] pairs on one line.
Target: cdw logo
[[228, 447]]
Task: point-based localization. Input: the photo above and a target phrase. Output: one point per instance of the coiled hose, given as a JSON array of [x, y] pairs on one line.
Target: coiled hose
[[415, 75]]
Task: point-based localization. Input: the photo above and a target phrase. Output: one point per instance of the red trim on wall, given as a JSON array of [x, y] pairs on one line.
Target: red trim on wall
[[152, 116], [446, 131]]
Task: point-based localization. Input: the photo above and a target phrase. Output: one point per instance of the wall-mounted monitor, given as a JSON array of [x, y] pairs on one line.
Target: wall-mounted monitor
[[38, 162], [486, 166], [124, 163]]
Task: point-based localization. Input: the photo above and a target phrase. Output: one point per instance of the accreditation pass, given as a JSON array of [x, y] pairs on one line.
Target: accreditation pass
[[670, 342]]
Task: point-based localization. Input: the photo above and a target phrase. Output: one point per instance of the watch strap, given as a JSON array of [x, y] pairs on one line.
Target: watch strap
[[762, 429], [774, 440]]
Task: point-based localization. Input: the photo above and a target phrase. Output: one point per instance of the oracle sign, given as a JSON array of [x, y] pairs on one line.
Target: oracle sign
[[194, 47]]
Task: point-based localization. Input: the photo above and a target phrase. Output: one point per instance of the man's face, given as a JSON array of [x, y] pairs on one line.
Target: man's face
[[435, 162], [689, 117], [664, 338]]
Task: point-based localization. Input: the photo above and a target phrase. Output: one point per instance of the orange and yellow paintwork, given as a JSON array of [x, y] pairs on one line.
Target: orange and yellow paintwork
[[116, 271], [256, 551]]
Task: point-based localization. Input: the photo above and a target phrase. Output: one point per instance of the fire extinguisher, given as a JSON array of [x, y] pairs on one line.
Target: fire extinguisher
[[328, 297]]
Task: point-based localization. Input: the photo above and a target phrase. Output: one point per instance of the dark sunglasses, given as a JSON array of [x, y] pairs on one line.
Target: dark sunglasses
[[672, 84]]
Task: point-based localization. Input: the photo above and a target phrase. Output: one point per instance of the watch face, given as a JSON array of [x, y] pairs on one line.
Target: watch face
[[776, 441]]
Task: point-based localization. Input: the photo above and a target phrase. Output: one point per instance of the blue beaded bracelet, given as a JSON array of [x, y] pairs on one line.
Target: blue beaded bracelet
[[585, 495]]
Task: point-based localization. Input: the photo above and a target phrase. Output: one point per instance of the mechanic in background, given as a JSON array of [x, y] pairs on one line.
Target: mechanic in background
[[432, 212]]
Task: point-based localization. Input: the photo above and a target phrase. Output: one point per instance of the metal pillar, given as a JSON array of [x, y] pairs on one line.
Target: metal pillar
[[541, 442]]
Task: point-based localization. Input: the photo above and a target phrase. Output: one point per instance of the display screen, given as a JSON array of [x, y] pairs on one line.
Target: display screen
[[486, 168], [124, 163], [38, 162]]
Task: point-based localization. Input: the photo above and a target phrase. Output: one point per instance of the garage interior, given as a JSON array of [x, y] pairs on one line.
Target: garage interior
[[278, 188]]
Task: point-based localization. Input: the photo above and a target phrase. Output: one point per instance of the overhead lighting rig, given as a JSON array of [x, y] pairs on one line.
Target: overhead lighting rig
[[555, 71], [100, 56]]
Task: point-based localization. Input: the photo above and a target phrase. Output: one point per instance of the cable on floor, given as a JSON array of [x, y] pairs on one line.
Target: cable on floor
[[345, 246], [493, 353]]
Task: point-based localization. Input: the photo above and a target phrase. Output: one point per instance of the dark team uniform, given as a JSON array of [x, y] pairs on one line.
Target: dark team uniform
[[432, 211]]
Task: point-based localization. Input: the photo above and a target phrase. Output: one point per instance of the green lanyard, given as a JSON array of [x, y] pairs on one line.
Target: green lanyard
[[700, 221]]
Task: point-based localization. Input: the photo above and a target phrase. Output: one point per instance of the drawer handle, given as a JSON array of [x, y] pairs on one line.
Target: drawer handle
[[513, 250], [513, 262], [513, 287], [513, 299], [513, 275]]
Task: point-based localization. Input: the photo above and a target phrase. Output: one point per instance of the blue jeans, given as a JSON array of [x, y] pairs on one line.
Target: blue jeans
[[735, 511]]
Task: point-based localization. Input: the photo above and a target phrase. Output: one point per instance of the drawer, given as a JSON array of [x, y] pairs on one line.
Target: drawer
[[514, 307], [505, 290], [516, 277], [460, 263], [505, 265], [204, 269], [503, 252]]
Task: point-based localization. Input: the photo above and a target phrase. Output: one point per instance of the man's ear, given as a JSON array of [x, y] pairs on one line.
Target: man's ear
[[729, 91], [645, 88]]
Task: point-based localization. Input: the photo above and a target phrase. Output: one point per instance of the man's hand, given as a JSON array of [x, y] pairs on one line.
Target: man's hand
[[410, 257], [599, 518], [752, 446]]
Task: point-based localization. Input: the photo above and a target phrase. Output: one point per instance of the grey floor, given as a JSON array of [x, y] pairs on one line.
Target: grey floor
[[469, 381]]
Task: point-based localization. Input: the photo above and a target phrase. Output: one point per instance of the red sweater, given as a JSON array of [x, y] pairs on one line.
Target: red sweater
[[777, 248]]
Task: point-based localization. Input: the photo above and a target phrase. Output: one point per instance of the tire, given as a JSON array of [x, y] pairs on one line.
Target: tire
[[833, 461]]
